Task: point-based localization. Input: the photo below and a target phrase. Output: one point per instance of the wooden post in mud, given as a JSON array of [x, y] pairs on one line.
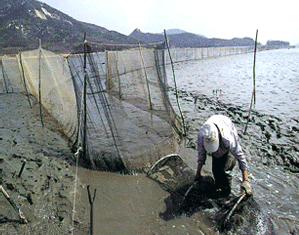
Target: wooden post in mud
[[84, 100], [1, 174], [11, 202], [4, 80], [91, 208], [146, 78], [24, 80], [118, 76], [14, 206], [39, 82], [22, 168], [175, 86], [253, 99]]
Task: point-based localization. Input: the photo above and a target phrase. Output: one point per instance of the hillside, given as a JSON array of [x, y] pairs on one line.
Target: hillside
[[24, 22], [185, 39]]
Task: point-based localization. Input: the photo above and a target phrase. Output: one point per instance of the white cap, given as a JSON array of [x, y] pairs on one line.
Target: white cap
[[210, 137]]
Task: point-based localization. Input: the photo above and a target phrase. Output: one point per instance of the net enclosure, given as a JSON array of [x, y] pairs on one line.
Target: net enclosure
[[130, 122], [113, 105]]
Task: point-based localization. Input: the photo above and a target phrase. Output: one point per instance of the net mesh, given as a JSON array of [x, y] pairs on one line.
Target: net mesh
[[11, 79], [130, 122], [47, 77], [123, 120]]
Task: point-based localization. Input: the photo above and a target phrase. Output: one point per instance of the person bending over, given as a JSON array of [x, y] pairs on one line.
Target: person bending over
[[218, 137]]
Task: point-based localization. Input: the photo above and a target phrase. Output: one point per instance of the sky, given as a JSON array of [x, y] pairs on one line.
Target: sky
[[274, 20]]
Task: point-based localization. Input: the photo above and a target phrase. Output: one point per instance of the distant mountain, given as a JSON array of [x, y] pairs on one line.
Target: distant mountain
[[185, 39], [24, 22], [146, 37], [174, 31], [179, 31]]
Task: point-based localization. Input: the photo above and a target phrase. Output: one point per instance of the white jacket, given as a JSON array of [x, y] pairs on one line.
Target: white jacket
[[227, 142]]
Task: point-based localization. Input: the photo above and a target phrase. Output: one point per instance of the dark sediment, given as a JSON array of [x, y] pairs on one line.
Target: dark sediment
[[269, 137], [44, 192]]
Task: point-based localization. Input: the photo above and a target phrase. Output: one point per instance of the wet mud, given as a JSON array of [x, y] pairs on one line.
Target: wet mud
[[270, 145], [44, 189], [135, 204], [267, 136]]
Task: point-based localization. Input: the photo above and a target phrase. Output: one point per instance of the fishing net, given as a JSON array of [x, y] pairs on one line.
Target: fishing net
[[129, 121], [171, 173], [113, 104], [243, 215], [231, 215], [11, 80], [47, 77], [186, 54]]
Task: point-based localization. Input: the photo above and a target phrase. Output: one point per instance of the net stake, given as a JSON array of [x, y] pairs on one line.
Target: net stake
[[253, 92], [14, 206], [22, 168], [176, 89], [146, 78], [91, 208]]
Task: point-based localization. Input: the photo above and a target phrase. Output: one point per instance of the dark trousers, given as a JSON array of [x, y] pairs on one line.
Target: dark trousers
[[222, 168]]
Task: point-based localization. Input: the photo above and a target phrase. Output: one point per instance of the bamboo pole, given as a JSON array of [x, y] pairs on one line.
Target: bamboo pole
[[255, 47], [253, 98], [108, 71], [146, 78], [84, 101], [91, 201], [4, 79], [40, 83], [13, 205], [117, 70], [24, 80], [175, 85], [22, 168]]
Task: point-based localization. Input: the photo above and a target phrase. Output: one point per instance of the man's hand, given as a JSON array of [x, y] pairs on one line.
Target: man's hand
[[198, 173], [198, 178], [246, 186]]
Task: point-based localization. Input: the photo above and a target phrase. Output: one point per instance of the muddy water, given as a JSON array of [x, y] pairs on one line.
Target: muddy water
[[131, 204], [224, 86]]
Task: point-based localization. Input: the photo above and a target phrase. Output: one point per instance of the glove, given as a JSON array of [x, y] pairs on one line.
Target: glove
[[246, 186]]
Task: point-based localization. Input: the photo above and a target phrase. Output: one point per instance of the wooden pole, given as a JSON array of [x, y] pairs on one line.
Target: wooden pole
[[91, 208], [4, 79], [255, 47], [118, 76], [22, 168], [24, 80], [253, 92], [146, 78], [39, 84], [176, 89], [84, 100], [14, 206]]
